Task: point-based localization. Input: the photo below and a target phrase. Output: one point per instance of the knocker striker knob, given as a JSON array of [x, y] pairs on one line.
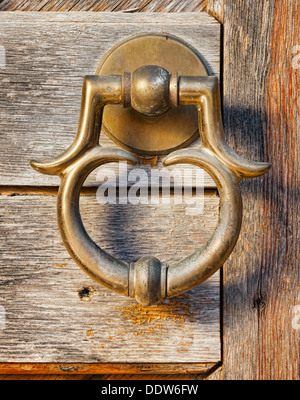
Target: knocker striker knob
[[139, 100], [147, 280], [151, 91]]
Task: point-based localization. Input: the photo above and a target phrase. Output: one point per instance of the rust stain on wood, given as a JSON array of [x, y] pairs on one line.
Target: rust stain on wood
[[178, 310], [58, 265]]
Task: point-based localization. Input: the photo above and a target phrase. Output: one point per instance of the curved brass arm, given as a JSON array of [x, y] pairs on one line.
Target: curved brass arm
[[149, 280], [226, 168], [204, 93], [101, 266], [73, 166], [97, 91]]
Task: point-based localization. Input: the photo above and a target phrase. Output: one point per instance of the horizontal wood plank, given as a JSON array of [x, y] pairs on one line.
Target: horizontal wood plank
[[56, 313], [133, 371], [87, 18], [129, 6], [45, 57]]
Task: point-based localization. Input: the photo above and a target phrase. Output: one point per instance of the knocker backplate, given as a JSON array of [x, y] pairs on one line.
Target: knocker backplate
[[143, 134]]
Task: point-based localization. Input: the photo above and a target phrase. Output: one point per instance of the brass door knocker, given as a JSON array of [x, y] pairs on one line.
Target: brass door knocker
[[151, 74]]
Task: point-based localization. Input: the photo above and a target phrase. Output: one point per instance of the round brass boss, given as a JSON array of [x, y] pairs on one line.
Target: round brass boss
[[150, 94], [163, 131]]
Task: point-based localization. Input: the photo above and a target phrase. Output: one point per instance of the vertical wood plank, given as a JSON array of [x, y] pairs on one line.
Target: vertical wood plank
[[261, 107]]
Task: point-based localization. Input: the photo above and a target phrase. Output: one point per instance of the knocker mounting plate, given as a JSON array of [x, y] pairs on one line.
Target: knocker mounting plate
[[143, 134]]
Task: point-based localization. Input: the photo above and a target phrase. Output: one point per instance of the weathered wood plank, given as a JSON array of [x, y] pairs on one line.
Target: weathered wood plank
[[44, 377], [86, 18], [104, 5], [261, 278], [107, 371], [47, 57], [56, 313]]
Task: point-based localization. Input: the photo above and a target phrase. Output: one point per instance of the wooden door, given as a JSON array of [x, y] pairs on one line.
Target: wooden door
[[255, 336]]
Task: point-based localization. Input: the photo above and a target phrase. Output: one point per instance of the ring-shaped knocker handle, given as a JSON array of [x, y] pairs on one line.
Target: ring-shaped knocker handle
[[149, 280]]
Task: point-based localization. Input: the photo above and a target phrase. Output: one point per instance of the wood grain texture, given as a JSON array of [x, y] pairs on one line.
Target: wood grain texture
[[113, 371], [104, 5], [48, 377], [175, 372], [216, 8], [55, 313], [77, 377], [261, 108], [47, 57], [202, 370], [261, 115]]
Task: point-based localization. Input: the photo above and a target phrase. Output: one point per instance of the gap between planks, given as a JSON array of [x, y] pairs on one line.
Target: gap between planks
[[53, 190]]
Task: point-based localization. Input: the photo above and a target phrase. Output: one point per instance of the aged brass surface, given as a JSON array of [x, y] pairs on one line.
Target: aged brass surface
[[148, 280], [145, 134], [150, 87]]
